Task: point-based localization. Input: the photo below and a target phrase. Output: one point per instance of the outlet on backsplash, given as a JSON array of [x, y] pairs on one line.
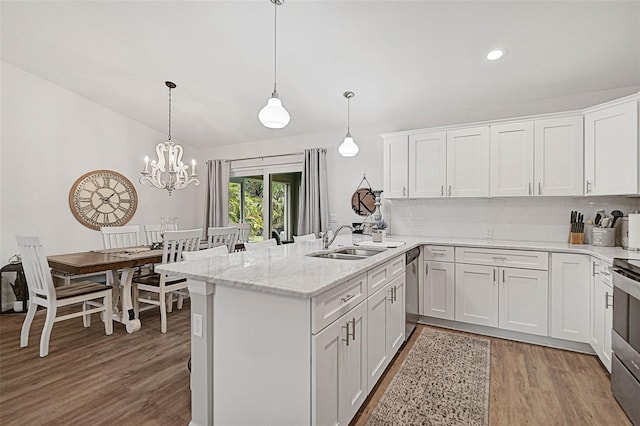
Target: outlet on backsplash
[[489, 233]]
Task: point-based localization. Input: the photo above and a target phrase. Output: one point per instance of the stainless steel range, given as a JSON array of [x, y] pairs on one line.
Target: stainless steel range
[[625, 337]]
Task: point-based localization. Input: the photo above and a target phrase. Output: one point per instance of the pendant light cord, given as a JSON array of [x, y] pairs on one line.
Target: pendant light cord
[[275, 46], [169, 113], [349, 115]]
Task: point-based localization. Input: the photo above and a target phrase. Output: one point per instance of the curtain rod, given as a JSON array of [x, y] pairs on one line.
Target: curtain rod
[[268, 156]]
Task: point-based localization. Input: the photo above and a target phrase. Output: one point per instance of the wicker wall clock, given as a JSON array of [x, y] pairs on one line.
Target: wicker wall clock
[[103, 198]]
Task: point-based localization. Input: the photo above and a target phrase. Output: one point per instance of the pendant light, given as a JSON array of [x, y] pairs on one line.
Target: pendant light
[[273, 115], [348, 147]]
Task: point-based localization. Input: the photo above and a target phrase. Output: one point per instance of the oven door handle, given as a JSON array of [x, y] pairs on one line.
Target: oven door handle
[[626, 282]]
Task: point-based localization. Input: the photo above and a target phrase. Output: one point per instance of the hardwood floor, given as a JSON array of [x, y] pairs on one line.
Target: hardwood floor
[[142, 379]]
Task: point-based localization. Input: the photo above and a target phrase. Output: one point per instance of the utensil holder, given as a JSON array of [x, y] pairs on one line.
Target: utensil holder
[[576, 238], [604, 237]]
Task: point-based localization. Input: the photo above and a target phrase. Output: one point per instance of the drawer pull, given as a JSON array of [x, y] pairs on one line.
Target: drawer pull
[[498, 258], [347, 298]]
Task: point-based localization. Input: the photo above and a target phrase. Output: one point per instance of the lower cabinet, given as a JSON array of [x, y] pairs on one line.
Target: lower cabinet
[[570, 298], [340, 352], [438, 290], [602, 315], [385, 317], [476, 296], [509, 298]]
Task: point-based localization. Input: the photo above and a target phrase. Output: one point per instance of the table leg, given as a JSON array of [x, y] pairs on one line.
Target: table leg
[[126, 316]]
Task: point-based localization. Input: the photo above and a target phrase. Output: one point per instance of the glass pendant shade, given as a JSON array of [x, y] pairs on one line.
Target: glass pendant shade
[[348, 147], [273, 115]]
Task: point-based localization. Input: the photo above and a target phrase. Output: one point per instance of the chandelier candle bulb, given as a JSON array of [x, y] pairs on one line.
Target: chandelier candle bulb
[[146, 164], [193, 167]]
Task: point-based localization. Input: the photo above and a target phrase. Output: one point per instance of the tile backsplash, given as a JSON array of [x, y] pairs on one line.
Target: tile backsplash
[[521, 219]]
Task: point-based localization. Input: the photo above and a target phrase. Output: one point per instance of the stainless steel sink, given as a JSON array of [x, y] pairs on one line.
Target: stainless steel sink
[[348, 253], [358, 251]]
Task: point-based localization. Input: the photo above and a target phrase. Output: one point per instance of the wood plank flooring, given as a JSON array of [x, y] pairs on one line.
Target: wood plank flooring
[[142, 379]]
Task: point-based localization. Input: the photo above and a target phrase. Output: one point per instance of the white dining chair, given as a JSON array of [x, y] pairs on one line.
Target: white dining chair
[[175, 243], [120, 236], [226, 235], [260, 245], [306, 237], [244, 230], [43, 293], [153, 233], [206, 253]]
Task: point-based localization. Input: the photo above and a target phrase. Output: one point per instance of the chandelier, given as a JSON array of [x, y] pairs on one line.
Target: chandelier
[[169, 172], [274, 115]]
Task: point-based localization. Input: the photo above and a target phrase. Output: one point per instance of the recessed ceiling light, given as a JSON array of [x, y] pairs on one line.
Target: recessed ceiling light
[[495, 54]]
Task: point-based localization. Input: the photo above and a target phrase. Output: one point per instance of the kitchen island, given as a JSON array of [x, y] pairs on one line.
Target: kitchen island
[[257, 318]]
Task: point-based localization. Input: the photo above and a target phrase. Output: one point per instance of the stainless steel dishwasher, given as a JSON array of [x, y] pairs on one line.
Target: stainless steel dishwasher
[[411, 291]]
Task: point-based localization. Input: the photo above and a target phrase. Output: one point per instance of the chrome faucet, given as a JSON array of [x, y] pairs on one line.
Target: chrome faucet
[[325, 237]]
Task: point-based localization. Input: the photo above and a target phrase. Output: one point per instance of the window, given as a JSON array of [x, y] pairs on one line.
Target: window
[[259, 195]]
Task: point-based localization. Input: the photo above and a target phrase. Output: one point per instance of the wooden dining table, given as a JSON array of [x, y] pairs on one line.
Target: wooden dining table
[[122, 263]]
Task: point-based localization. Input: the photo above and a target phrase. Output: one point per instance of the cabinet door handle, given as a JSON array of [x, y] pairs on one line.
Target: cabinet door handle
[[606, 300], [449, 190], [442, 190], [347, 298], [494, 275], [353, 329], [529, 188], [539, 188], [426, 269], [593, 269], [588, 187], [404, 191], [347, 337]]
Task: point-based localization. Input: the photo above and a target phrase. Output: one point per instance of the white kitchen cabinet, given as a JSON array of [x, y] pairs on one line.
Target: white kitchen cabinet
[[468, 162], [570, 299], [340, 352], [427, 164], [523, 297], [602, 315], [438, 290], [611, 148], [541, 157], [512, 159], [395, 161], [385, 317], [558, 156], [476, 295]]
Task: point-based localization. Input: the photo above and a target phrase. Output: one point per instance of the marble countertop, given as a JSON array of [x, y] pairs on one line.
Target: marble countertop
[[286, 270]]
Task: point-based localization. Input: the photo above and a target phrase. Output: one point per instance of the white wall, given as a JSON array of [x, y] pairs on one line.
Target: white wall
[[50, 137]]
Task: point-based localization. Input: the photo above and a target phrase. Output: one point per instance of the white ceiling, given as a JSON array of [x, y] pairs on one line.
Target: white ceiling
[[405, 61]]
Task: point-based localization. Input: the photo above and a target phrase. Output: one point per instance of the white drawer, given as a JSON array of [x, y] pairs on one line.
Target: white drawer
[[500, 257], [332, 304], [378, 277], [438, 253]]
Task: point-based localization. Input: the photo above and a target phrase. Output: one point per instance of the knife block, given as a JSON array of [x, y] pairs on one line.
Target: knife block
[[576, 237]]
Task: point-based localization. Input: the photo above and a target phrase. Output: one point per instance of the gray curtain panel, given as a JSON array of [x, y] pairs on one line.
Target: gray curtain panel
[[314, 199], [216, 208]]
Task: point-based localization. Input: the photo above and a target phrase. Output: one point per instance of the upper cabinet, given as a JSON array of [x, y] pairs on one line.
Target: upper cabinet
[[537, 157], [611, 149], [428, 164], [395, 167], [468, 162], [594, 152]]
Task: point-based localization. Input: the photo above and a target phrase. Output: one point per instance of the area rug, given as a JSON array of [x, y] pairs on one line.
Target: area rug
[[444, 380]]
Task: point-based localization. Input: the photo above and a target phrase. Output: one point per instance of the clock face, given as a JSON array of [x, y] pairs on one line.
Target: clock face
[[103, 198]]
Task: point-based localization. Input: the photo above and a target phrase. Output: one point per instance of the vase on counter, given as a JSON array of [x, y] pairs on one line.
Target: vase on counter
[[377, 235]]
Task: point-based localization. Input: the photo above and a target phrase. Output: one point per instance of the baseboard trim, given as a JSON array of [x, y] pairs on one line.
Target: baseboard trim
[[509, 335]]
